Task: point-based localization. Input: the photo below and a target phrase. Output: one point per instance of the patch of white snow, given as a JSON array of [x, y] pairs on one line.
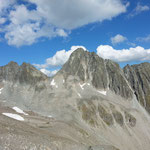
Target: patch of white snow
[[53, 82], [82, 85], [18, 110], [102, 92], [1, 90], [14, 116]]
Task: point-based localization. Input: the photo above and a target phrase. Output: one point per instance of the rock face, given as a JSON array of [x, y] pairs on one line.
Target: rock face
[[117, 81], [87, 66], [103, 74], [139, 78], [88, 105]]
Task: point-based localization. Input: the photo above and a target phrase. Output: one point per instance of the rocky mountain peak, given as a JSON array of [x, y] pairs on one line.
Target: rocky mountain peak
[[9, 71], [12, 63], [88, 67], [30, 74], [102, 74], [26, 73]]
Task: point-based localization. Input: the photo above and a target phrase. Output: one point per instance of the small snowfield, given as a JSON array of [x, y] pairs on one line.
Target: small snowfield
[[102, 92], [18, 110], [14, 116], [1, 90]]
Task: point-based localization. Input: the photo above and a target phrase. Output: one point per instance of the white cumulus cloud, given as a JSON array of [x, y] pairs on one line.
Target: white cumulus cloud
[[5, 4], [125, 55], [48, 72], [25, 27], [59, 58], [71, 14], [118, 39], [51, 18]]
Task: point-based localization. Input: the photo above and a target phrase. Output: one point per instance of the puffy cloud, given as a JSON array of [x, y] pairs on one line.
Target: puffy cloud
[[59, 58], [125, 55], [71, 14], [48, 72], [139, 9], [21, 15], [118, 39], [61, 32], [5, 4], [27, 29], [144, 39], [53, 18]]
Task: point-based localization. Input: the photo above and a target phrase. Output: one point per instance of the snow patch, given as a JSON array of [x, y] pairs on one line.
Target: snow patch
[[1, 90], [18, 110], [88, 84], [82, 85], [14, 116], [63, 81], [53, 83], [102, 92]]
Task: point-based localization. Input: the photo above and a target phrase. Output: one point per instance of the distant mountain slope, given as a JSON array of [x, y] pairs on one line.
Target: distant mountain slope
[[25, 73]]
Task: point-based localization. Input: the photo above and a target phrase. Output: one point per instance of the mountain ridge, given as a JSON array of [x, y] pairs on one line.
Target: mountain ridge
[[88, 105], [88, 67]]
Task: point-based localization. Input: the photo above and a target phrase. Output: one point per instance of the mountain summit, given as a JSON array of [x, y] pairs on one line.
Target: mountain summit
[[90, 104], [103, 74], [25, 73]]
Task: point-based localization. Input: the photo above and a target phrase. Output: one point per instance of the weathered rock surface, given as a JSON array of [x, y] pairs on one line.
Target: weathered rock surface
[[25, 73], [139, 78], [103, 74], [87, 66]]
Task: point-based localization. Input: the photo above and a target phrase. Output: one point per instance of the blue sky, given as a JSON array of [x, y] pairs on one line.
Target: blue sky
[[46, 32]]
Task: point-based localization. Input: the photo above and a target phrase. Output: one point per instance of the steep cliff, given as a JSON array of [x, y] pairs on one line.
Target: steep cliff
[[139, 78]]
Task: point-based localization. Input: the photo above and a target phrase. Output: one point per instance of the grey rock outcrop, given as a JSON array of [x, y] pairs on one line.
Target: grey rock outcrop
[[103, 74], [87, 66], [117, 81], [139, 78], [24, 74]]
